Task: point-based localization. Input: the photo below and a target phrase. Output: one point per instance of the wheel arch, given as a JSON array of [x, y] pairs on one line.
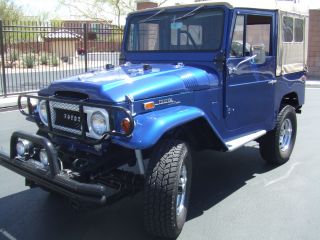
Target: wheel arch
[[198, 133], [182, 122], [292, 99]]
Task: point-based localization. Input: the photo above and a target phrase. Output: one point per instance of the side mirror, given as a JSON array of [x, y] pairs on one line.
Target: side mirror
[[259, 52]]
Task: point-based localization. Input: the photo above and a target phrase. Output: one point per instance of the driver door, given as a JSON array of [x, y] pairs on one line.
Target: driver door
[[250, 87]]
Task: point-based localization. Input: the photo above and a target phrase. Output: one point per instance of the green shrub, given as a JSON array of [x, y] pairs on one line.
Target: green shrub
[[29, 61], [13, 56], [44, 60], [55, 61]]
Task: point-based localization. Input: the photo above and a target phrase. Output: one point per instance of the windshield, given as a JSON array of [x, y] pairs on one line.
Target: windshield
[[196, 29]]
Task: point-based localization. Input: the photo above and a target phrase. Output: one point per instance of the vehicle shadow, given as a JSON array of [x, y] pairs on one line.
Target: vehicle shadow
[[35, 214], [217, 175]]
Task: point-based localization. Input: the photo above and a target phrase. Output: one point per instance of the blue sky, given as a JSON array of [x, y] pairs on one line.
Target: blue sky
[[34, 7]]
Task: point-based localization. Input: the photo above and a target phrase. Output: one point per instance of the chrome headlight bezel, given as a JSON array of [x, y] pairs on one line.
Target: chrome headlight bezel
[[42, 110], [90, 111]]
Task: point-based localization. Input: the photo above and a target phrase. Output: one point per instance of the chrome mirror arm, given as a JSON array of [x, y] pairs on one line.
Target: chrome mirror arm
[[233, 70]]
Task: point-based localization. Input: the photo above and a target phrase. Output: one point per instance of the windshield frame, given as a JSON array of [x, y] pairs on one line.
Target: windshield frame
[[170, 10]]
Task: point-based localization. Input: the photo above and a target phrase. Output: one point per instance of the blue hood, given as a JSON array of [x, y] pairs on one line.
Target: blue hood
[[130, 79]]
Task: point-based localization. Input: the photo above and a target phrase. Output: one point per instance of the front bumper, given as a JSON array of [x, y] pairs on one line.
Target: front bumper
[[52, 177]]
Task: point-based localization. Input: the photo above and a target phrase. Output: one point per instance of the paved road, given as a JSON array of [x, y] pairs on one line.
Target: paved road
[[234, 196]]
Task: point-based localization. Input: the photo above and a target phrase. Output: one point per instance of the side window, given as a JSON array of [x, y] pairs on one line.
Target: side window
[[259, 32], [287, 30], [237, 38], [298, 30]]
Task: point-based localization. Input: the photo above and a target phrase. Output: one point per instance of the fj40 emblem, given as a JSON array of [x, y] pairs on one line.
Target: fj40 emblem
[[167, 101], [151, 105]]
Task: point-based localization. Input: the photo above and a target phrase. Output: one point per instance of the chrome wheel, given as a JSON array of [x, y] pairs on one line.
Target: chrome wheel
[[182, 187], [285, 135]]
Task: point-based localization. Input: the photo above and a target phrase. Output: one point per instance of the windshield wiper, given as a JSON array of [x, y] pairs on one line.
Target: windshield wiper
[[152, 16], [189, 14]]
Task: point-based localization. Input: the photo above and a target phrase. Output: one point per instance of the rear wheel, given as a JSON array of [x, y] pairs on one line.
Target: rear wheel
[[167, 189], [277, 145]]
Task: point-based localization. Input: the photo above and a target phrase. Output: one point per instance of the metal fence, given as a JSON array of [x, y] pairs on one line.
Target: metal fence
[[33, 54]]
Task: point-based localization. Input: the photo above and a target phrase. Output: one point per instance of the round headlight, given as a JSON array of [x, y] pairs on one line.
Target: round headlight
[[98, 123], [23, 147], [43, 112]]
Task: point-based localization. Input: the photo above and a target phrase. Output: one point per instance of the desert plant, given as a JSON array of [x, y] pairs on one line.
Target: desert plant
[[44, 60], [29, 61], [55, 61], [13, 56]]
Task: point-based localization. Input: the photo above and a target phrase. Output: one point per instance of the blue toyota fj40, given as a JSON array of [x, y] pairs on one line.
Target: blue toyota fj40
[[200, 76]]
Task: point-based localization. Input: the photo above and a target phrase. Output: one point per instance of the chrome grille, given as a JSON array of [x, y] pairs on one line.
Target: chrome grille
[[65, 106]]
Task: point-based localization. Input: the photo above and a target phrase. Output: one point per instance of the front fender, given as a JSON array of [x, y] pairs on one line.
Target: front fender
[[150, 127]]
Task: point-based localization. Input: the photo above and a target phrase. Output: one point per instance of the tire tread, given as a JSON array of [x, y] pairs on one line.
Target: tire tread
[[159, 198], [269, 143]]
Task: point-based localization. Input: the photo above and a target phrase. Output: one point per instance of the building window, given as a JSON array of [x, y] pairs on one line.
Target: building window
[[287, 30], [298, 30]]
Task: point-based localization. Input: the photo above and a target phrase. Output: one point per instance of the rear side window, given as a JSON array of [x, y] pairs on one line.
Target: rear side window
[[298, 30], [287, 31]]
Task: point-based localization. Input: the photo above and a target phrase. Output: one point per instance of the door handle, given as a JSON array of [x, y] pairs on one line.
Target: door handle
[[272, 82]]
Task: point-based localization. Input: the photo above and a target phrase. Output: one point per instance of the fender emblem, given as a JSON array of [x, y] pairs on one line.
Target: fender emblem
[[165, 101]]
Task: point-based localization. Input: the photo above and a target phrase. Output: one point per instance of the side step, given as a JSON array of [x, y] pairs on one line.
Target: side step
[[239, 142]]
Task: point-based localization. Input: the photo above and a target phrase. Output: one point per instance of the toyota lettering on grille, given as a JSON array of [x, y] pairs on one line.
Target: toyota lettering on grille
[[71, 117]]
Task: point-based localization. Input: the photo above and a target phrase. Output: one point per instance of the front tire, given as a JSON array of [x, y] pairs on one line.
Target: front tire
[[277, 145], [167, 189]]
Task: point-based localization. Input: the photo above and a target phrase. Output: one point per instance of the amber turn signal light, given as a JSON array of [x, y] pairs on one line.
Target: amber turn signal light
[[148, 105], [126, 125]]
